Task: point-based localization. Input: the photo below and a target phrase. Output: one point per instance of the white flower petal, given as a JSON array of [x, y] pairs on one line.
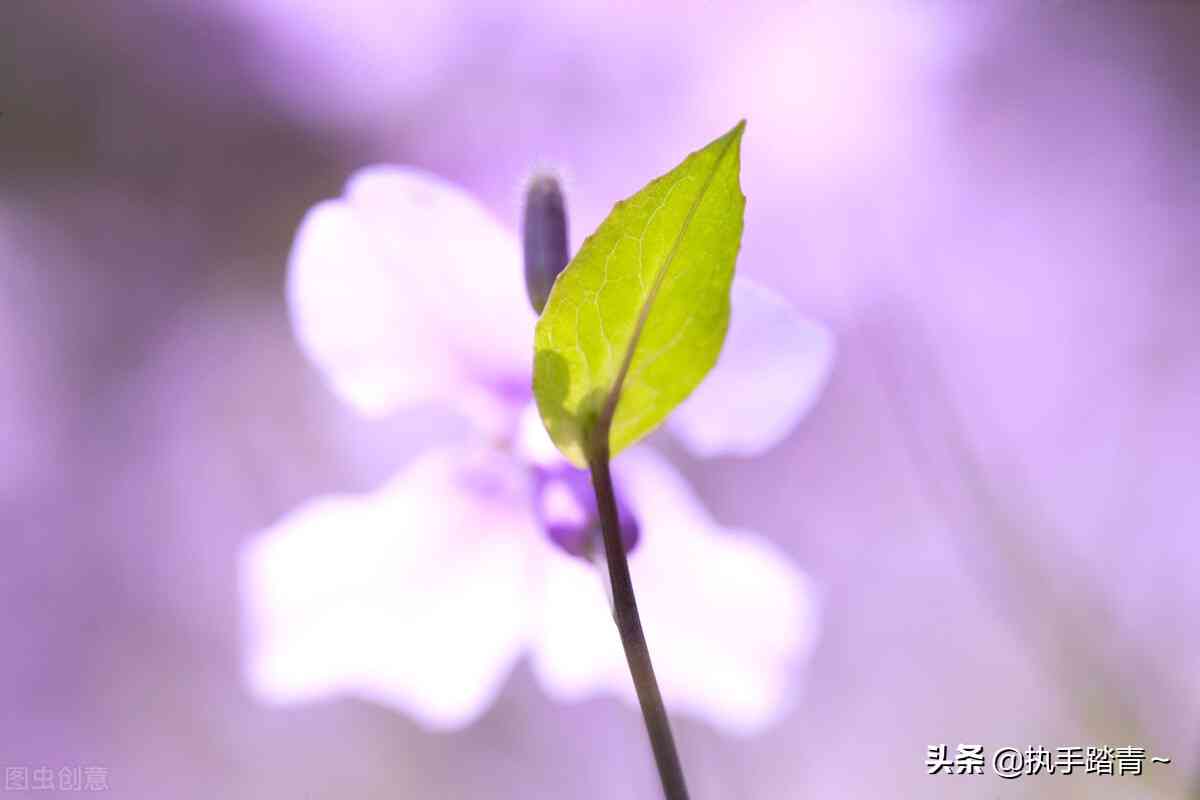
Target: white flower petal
[[727, 618], [533, 442], [406, 291], [577, 652], [772, 369], [415, 596]]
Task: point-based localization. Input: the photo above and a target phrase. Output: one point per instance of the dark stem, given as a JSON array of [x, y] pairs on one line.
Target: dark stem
[[629, 624]]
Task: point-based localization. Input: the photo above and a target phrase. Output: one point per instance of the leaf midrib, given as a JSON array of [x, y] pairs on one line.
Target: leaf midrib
[[604, 422]]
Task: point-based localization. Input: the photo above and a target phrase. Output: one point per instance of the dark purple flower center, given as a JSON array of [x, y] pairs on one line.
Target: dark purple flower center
[[565, 504]]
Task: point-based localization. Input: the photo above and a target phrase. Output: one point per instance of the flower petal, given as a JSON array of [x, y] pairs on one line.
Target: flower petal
[[727, 617], [415, 596], [772, 369], [405, 291]]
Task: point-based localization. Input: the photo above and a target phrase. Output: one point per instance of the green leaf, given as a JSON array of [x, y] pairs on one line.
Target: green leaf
[[637, 319]]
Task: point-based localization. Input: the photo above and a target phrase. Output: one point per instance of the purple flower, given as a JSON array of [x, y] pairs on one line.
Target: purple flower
[[424, 593]]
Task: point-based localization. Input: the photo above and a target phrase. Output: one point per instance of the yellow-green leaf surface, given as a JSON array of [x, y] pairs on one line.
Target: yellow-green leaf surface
[[637, 319]]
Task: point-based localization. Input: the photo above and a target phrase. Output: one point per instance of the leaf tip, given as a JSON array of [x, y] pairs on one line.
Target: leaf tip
[[733, 138]]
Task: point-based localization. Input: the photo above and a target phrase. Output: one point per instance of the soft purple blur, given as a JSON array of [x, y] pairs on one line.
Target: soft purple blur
[[993, 205]]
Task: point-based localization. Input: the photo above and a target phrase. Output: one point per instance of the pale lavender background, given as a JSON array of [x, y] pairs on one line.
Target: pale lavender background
[[994, 205]]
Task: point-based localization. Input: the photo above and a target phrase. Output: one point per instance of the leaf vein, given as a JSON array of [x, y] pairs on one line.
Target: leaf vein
[[614, 394]]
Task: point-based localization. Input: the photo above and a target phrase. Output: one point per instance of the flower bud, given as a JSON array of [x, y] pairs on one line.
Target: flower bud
[[565, 504], [544, 234]]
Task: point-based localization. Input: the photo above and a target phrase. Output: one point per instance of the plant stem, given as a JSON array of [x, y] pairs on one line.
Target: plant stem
[[629, 624]]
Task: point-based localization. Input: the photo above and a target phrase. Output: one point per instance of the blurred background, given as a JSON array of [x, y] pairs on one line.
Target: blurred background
[[993, 204]]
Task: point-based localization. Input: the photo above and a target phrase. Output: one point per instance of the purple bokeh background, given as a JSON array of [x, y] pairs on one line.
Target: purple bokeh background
[[992, 204]]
